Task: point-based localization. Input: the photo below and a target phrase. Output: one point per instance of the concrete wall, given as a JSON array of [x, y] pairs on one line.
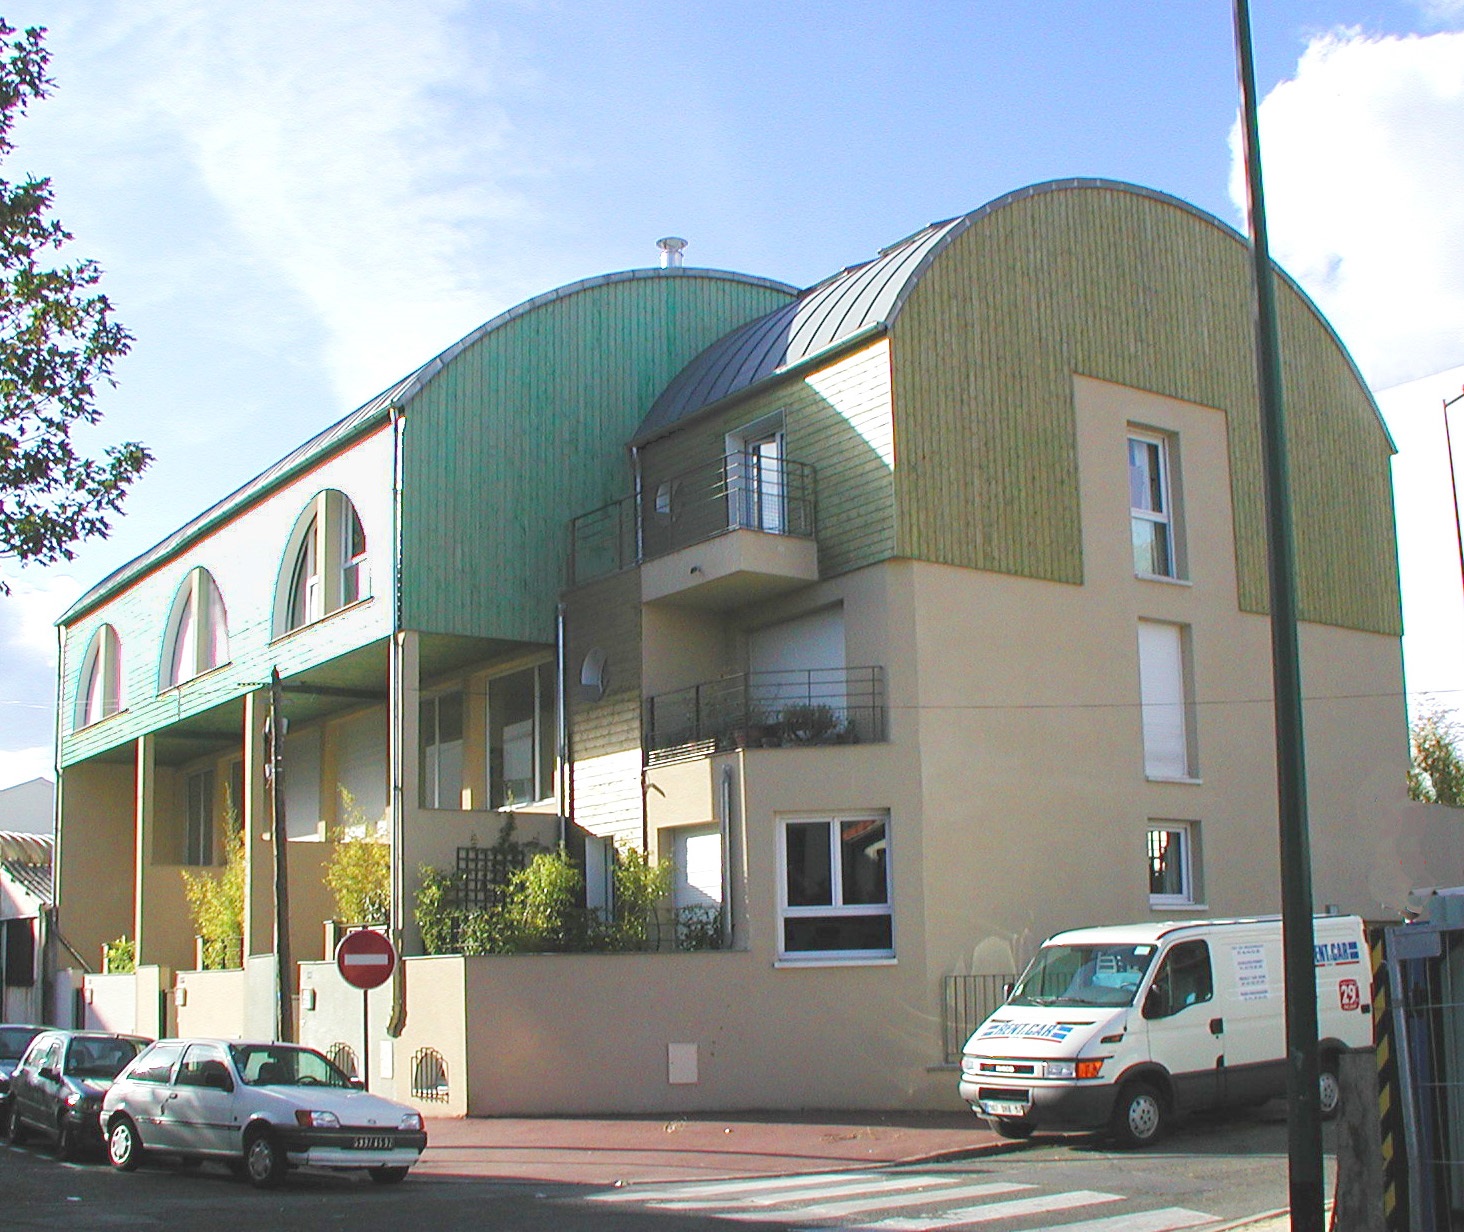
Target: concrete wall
[[95, 859], [210, 1003]]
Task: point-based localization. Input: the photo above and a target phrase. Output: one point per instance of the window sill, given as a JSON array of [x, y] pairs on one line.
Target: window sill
[[1160, 904], [96, 723], [1165, 778], [832, 960], [319, 620], [1163, 578], [180, 685]]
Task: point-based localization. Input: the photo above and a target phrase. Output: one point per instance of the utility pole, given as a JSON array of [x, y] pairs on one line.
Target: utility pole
[[284, 1000], [1304, 1124], [1453, 481]]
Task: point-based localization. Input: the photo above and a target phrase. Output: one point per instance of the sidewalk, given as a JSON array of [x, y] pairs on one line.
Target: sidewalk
[[580, 1151]]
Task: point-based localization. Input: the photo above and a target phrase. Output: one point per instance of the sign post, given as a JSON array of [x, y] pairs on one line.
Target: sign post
[[365, 958]]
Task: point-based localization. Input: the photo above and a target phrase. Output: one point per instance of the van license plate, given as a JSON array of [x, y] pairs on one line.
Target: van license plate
[[371, 1144], [1003, 1108]]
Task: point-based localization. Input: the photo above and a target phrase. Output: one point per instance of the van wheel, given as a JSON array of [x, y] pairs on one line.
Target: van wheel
[[1014, 1128], [1139, 1116], [388, 1176], [1329, 1091]]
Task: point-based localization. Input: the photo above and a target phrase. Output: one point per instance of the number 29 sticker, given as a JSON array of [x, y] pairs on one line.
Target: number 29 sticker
[[1349, 994]]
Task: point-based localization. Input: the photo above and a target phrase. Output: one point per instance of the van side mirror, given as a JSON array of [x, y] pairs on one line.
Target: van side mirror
[[1006, 990], [1155, 1004], [50, 1073]]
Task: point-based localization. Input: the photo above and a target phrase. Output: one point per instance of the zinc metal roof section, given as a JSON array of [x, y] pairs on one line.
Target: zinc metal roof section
[[840, 307], [362, 420]]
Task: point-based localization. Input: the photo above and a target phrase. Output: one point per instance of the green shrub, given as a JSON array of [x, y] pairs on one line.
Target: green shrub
[[216, 902], [120, 956], [359, 870]]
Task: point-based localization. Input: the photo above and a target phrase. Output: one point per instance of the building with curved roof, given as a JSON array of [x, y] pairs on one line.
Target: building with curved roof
[[909, 618]]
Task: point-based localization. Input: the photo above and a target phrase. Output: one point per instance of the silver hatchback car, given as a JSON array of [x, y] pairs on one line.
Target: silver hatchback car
[[259, 1108]]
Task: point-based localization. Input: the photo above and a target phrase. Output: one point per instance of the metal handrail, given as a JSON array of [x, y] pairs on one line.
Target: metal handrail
[[814, 706], [742, 491]]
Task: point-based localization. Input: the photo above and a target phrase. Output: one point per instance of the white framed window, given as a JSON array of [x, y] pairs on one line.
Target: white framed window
[[441, 732], [834, 887], [1153, 517], [521, 736], [326, 566], [100, 690], [1166, 701], [198, 630], [198, 838], [757, 486], [1174, 864]]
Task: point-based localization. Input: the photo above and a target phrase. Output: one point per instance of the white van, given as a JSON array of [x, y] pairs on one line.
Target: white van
[[1121, 1027]]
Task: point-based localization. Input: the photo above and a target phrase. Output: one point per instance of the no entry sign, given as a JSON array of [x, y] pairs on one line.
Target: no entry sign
[[365, 959]]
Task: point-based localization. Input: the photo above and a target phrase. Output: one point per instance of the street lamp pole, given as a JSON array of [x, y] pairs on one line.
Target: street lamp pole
[[1303, 1071]]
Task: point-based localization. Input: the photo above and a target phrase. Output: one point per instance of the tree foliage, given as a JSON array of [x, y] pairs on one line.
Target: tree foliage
[[1436, 773], [58, 342]]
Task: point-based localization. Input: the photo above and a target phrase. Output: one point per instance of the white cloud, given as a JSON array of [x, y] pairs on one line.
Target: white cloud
[[1364, 179], [358, 153], [22, 765]]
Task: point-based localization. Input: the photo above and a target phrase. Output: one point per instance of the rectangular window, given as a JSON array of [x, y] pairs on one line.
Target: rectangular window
[[521, 737], [199, 841], [836, 887], [442, 751], [1151, 506], [1164, 691], [1173, 863]]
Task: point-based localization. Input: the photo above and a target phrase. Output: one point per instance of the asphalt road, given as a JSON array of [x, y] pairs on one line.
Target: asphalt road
[[1207, 1174]]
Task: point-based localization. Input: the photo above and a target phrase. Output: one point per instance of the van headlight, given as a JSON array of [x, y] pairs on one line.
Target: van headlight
[[968, 1065], [1075, 1069]]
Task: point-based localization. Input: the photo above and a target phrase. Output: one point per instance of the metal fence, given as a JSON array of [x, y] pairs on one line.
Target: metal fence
[[742, 491], [966, 1002], [1425, 968], [843, 705]]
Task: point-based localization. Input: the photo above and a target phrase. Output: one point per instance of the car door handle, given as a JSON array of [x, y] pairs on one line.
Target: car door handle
[[1217, 1026]]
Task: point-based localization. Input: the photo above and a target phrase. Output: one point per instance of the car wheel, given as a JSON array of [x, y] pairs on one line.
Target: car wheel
[[124, 1148], [264, 1162], [388, 1176], [1139, 1116], [1014, 1128], [15, 1133], [1329, 1092], [68, 1143]]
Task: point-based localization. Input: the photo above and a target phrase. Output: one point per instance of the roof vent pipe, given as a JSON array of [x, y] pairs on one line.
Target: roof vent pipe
[[671, 248]]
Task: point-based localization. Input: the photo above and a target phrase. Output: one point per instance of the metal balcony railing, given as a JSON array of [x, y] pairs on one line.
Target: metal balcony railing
[[767, 710], [743, 491]]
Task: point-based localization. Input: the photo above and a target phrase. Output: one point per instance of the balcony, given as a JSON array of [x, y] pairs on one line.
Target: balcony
[[718, 536], [785, 709]]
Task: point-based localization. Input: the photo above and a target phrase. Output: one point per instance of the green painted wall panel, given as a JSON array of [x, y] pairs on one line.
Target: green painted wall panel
[[526, 428], [1140, 292]]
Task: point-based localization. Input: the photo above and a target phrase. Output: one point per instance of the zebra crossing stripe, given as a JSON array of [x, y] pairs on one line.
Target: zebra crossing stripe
[[698, 1189], [989, 1212], [1166, 1219], [874, 1185], [837, 1210]]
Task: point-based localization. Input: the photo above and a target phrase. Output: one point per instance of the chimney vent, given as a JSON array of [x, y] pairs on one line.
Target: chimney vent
[[671, 248]]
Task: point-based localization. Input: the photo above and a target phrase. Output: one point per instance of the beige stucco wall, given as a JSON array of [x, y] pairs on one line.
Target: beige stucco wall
[[95, 860]]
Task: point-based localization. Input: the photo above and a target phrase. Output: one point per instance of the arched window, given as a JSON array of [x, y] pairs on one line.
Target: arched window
[[198, 630], [325, 563], [100, 691]]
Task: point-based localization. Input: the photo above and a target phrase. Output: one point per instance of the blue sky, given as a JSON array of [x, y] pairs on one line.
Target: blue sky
[[297, 203]]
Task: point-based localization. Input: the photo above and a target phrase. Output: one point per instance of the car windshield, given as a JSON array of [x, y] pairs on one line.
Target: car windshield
[[99, 1056], [13, 1041], [279, 1065], [1084, 975]]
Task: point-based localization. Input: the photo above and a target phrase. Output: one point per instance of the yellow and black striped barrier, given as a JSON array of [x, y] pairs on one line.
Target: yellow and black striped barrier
[[1390, 1115]]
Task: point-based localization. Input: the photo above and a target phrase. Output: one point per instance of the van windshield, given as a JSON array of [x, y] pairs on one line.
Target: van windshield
[[1084, 975]]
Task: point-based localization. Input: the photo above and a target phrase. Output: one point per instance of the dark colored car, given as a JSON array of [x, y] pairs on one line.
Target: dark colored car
[[15, 1038], [56, 1090]]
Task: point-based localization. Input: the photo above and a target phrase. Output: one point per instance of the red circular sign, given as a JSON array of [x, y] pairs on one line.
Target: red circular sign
[[365, 958]]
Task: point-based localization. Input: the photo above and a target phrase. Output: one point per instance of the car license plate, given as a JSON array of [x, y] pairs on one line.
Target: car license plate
[[371, 1144], [1003, 1108]]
